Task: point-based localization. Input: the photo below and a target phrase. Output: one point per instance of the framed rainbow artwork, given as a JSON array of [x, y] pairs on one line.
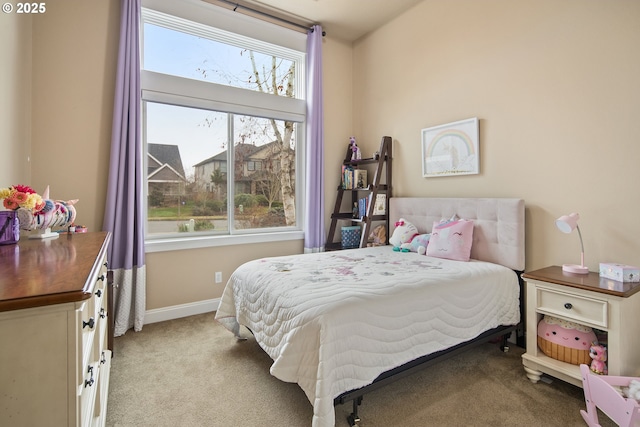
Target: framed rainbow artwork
[[451, 149]]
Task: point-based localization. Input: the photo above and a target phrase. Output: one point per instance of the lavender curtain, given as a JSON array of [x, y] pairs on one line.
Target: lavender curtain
[[124, 209], [314, 237]]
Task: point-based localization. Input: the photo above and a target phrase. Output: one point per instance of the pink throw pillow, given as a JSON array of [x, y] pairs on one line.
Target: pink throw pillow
[[451, 240]]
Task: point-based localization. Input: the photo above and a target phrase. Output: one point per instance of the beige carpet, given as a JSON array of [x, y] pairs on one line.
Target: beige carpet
[[193, 372]]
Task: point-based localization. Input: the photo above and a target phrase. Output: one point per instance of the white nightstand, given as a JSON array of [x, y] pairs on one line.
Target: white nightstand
[[587, 299]]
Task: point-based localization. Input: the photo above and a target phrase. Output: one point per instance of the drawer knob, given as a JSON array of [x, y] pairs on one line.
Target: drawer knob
[[103, 313], [568, 305], [91, 323], [98, 293], [102, 277], [89, 382]]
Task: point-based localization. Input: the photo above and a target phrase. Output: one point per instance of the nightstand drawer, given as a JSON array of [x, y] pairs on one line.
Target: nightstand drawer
[[583, 310]]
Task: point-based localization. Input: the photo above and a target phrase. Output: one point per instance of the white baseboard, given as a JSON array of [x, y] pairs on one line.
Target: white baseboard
[[181, 310]]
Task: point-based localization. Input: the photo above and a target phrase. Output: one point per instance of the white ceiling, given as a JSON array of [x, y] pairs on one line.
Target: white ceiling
[[343, 19]]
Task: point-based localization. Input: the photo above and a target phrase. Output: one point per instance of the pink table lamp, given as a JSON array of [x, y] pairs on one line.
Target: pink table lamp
[[566, 224]]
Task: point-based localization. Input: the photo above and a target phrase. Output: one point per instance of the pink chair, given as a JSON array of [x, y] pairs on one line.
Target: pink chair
[[600, 393]]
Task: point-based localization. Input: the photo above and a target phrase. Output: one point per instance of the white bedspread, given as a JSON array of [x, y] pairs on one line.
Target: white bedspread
[[333, 321]]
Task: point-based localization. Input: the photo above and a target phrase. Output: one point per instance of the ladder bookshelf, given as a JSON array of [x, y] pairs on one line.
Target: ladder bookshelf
[[380, 166]]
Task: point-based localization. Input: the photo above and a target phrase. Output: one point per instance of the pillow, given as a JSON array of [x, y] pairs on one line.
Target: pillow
[[451, 240], [419, 243]]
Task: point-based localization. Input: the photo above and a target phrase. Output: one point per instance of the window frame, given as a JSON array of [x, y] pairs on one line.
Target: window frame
[[181, 91]]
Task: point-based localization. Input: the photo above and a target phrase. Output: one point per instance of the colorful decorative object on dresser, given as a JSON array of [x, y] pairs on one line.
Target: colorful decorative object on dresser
[[37, 213], [53, 213], [17, 199], [9, 228], [565, 341], [566, 224]]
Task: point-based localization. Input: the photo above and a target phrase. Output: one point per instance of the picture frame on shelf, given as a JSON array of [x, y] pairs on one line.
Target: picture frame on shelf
[[451, 149]]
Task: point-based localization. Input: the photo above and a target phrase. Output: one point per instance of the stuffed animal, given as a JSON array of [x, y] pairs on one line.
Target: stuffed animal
[[402, 235], [378, 236], [564, 340], [633, 391], [356, 154], [419, 243], [598, 353]]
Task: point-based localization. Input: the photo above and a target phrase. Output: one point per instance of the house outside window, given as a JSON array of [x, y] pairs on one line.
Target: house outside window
[[223, 125]]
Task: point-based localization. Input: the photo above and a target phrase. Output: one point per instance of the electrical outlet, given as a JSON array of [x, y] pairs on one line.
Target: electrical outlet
[[218, 276]]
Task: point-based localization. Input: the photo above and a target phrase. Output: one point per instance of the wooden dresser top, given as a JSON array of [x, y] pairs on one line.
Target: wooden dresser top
[[37, 272], [590, 282]]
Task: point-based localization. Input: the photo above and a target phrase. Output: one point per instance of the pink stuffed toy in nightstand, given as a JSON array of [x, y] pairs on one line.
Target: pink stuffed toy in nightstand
[[599, 355]]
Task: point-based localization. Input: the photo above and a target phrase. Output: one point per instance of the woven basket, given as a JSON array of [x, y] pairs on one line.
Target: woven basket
[[564, 354]]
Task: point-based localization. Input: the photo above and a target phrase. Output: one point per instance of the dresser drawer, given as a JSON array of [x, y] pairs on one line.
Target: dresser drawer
[[577, 308]]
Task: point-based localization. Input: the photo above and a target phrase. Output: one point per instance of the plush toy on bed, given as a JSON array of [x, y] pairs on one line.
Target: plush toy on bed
[[403, 235], [598, 353], [419, 243]]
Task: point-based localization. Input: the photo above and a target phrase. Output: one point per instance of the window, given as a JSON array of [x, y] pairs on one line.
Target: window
[[223, 124]]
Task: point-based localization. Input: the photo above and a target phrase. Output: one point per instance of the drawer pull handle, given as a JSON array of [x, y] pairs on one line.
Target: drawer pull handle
[[90, 381], [102, 277], [106, 264], [103, 359], [91, 323], [568, 305], [103, 314], [98, 293]]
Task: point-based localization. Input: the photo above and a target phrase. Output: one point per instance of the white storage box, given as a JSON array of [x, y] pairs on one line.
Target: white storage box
[[620, 272]]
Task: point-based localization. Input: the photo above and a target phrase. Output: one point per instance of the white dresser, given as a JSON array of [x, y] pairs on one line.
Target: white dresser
[[610, 306], [54, 347]]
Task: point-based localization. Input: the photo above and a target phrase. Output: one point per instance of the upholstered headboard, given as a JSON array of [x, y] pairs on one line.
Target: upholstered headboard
[[498, 232]]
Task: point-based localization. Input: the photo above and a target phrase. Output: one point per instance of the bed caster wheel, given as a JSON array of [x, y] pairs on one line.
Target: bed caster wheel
[[505, 349], [353, 421]]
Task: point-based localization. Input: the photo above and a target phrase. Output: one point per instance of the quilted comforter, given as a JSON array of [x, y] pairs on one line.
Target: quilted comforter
[[333, 321]]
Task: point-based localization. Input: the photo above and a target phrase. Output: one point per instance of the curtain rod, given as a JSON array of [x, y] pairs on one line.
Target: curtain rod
[[265, 14]]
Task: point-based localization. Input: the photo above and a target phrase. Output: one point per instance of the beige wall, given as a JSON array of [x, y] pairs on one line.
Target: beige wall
[[555, 86], [15, 99], [74, 60]]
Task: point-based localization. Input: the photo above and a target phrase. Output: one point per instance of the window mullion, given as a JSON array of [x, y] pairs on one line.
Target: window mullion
[[231, 174]]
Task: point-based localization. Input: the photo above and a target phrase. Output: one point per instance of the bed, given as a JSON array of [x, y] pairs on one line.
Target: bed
[[342, 323]]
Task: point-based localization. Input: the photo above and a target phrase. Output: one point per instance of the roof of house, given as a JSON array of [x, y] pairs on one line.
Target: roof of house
[[244, 150], [164, 154]]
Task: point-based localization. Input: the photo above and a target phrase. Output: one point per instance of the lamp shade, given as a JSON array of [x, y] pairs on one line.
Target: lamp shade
[[567, 223]]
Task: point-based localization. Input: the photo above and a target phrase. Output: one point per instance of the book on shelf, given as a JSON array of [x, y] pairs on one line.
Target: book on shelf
[[347, 177], [363, 205], [380, 207], [353, 178], [360, 178]]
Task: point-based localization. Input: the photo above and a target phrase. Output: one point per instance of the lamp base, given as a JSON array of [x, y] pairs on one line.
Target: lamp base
[[577, 269]]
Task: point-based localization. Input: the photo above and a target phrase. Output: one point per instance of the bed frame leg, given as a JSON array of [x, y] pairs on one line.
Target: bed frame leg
[[504, 344], [354, 419]]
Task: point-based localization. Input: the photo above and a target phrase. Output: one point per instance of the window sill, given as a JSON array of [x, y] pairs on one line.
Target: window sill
[[165, 245]]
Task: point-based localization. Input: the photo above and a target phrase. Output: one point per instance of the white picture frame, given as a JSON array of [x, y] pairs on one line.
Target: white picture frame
[[451, 149]]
